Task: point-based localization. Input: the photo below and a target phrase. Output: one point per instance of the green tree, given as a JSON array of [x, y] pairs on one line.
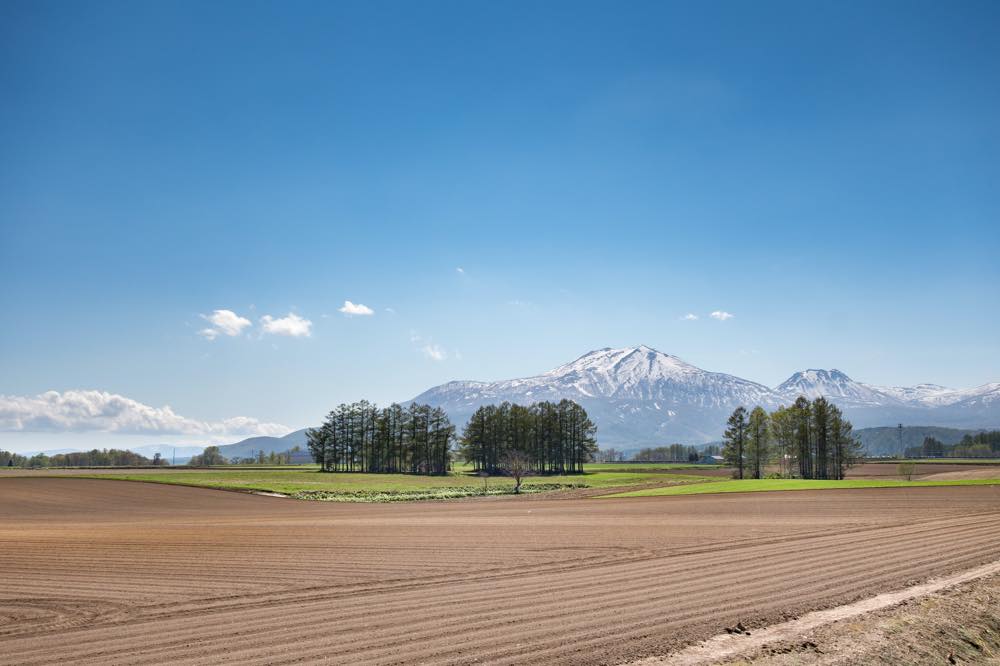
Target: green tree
[[932, 448], [758, 441], [734, 449], [783, 437], [210, 456], [360, 437], [847, 449], [821, 430], [557, 438], [801, 415]]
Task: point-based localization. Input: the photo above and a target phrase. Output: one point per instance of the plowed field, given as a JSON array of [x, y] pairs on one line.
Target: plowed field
[[101, 572]]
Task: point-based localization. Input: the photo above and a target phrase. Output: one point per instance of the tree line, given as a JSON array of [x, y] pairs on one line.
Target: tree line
[[809, 440], [980, 445], [93, 458], [361, 437], [671, 453], [212, 456], [553, 438]]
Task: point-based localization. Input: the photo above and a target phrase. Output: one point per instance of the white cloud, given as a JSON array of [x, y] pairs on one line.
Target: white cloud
[[350, 309], [460, 270], [100, 411], [430, 349], [434, 352], [292, 325], [390, 311], [690, 316], [721, 315], [223, 322]]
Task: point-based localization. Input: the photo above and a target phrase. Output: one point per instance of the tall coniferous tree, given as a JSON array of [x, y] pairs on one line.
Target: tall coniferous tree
[[783, 436], [758, 441], [802, 418], [360, 437], [821, 436], [555, 438], [846, 447], [734, 450]]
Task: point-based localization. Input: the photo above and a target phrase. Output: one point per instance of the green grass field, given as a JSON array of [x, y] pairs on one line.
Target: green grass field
[[306, 482], [309, 483], [652, 466], [763, 485], [936, 461]]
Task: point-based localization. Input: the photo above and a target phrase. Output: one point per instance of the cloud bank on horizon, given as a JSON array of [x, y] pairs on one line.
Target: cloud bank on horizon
[[100, 411]]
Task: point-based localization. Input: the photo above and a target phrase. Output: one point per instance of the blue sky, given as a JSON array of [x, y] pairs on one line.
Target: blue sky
[[825, 172]]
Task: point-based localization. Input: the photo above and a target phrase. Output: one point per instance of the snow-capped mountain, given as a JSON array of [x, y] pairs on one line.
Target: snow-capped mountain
[[635, 393], [848, 393], [833, 384], [922, 394], [639, 396]]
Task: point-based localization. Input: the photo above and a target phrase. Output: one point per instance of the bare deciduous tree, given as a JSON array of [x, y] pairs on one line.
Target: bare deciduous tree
[[517, 465]]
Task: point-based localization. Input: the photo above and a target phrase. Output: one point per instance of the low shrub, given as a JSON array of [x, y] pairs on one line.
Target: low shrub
[[454, 492]]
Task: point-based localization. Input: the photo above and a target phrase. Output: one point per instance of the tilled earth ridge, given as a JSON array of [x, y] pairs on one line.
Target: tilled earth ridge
[[960, 625], [102, 571]]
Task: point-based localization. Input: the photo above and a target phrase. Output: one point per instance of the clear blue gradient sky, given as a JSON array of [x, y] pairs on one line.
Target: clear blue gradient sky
[[826, 172]]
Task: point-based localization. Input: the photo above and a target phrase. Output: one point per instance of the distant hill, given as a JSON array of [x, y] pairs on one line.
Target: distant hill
[[251, 446], [885, 441], [48, 452]]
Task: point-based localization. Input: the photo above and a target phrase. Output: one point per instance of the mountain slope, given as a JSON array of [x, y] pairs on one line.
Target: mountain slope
[[638, 397], [253, 445], [834, 385], [884, 441]]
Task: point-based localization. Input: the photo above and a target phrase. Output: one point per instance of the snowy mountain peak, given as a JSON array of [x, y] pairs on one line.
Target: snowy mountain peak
[[628, 365], [639, 396], [621, 388], [832, 384]]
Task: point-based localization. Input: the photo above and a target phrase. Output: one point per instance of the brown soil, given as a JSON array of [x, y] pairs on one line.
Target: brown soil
[[103, 572], [960, 625], [977, 473], [928, 471]]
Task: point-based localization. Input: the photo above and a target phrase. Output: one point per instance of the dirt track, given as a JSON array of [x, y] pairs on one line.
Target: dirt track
[[113, 572]]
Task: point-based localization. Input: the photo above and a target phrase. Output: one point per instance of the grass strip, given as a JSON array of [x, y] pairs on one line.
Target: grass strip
[[455, 492], [770, 485]]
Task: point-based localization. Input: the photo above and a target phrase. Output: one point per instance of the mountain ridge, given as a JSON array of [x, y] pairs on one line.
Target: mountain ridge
[[639, 396]]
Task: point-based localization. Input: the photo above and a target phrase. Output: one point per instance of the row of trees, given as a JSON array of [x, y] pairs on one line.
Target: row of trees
[[361, 437], [554, 438], [275, 458], [980, 445], [611, 455], [212, 455], [93, 458], [810, 440], [672, 453]]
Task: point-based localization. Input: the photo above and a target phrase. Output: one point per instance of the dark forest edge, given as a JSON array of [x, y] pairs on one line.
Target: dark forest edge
[[543, 438], [809, 440]]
